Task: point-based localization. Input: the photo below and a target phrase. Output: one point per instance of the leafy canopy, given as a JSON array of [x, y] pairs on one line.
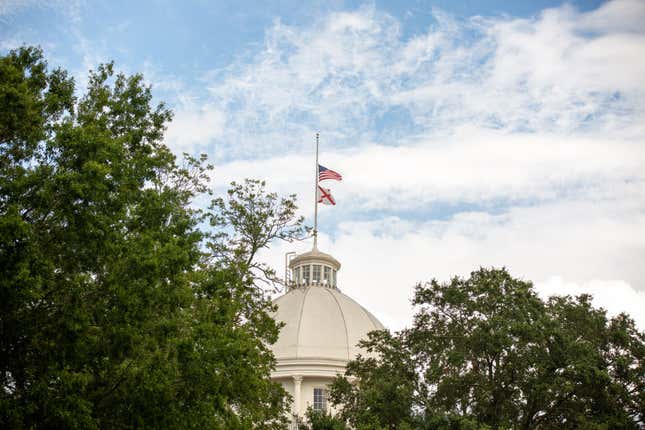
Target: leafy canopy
[[118, 309], [320, 420], [487, 352]]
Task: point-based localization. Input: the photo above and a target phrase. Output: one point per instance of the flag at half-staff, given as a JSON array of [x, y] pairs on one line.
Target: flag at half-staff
[[325, 173], [325, 197]]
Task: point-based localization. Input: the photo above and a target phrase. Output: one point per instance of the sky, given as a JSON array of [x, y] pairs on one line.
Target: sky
[[469, 134]]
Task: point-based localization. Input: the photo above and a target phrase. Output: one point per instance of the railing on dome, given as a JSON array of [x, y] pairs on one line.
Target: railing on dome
[[309, 274], [287, 272], [328, 279]]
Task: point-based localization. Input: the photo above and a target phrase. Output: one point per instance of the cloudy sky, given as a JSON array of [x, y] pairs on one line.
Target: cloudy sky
[[475, 133]]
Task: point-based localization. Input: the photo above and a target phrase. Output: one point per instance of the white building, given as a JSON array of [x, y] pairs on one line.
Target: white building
[[322, 329]]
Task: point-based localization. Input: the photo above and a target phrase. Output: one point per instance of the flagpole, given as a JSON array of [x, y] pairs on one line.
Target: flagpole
[[316, 199]]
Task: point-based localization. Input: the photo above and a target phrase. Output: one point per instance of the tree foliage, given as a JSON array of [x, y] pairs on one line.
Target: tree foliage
[[320, 420], [247, 224], [487, 352], [114, 312], [387, 380]]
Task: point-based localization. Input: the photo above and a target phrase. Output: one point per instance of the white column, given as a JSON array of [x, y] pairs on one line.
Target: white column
[[297, 381]]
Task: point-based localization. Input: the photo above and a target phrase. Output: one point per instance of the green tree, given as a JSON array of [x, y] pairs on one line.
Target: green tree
[[113, 311], [487, 352], [246, 224], [382, 396], [321, 420]]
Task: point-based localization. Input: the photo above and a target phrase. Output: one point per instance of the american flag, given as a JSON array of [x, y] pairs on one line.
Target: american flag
[[325, 173]]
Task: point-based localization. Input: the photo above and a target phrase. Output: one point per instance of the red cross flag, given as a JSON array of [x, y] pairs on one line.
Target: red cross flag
[[325, 197]]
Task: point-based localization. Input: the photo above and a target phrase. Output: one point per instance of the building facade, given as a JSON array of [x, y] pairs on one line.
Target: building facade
[[321, 332]]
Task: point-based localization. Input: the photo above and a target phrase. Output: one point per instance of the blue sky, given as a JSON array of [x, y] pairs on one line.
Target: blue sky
[[468, 133], [188, 38]]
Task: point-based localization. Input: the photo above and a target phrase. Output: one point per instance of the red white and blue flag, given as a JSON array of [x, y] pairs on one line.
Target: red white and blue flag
[[325, 197], [325, 173]]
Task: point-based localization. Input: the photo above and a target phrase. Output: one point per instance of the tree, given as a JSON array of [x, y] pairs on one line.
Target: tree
[[383, 395], [114, 314], [487, 352], [321, 420], [247, 224]]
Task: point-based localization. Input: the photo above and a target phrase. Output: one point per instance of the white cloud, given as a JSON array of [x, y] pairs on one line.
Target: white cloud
[[561, 72], [193, 127], [616, 16], [613, 296], [581, 242], [474, 166], [537, 124]]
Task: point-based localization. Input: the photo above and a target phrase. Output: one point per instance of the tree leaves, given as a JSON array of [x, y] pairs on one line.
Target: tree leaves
[[112, 313], [247, 221], [487, 352]]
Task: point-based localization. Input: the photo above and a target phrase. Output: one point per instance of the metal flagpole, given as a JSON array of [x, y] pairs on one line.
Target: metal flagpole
[[316, 198]]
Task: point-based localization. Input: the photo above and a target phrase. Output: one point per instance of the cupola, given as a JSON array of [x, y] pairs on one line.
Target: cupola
[[313, 269]]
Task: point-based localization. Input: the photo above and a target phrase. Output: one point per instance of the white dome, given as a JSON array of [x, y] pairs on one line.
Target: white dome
[[321, 323], [322, 328]]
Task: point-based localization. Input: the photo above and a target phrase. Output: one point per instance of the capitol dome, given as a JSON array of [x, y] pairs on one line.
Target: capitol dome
[[321, 323], [322, 327]]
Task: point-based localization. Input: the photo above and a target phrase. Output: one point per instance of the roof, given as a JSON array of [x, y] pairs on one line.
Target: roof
[[321, 323], [314, 256]]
